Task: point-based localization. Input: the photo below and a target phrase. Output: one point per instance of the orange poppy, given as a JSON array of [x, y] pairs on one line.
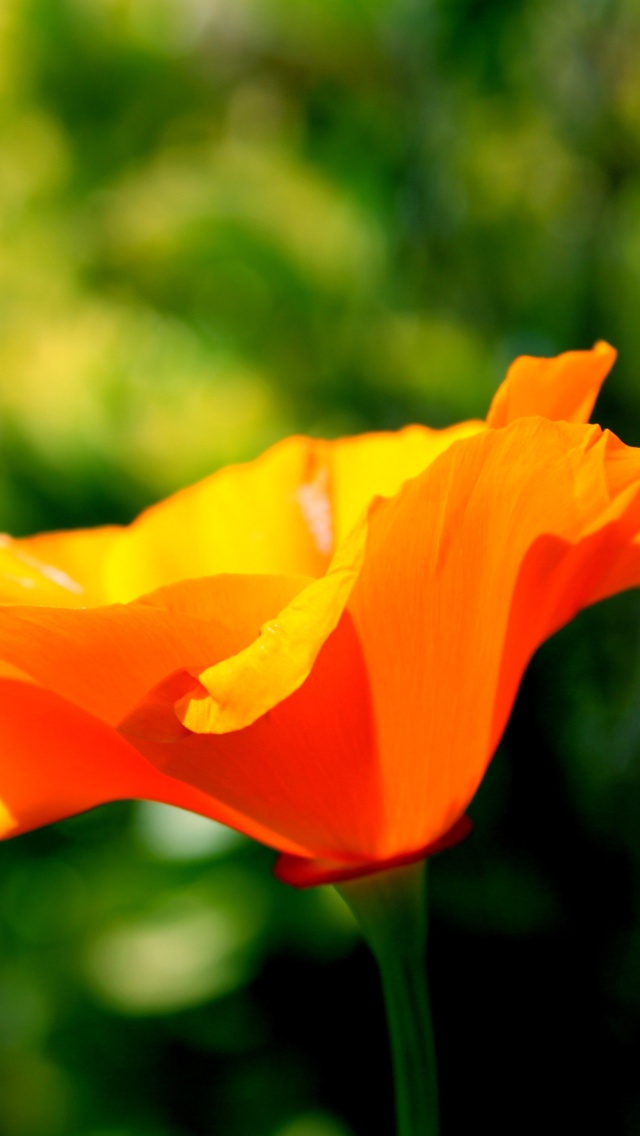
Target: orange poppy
[[321, 647]]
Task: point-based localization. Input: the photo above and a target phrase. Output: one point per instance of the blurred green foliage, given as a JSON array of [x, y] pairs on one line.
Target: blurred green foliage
[[226, 220]]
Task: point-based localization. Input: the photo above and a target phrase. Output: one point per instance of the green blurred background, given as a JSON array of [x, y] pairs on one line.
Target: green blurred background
[[222, 221]]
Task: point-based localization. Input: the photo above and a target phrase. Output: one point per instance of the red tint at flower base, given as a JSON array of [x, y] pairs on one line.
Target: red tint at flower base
[[320, 648]]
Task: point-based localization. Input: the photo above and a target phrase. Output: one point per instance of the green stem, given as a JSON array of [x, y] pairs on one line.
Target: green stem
[[390, 908]]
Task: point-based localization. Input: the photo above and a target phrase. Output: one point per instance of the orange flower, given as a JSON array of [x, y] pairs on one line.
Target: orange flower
[[321, 647]]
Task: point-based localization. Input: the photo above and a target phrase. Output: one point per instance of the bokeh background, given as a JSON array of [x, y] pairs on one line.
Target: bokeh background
[[222, 221]]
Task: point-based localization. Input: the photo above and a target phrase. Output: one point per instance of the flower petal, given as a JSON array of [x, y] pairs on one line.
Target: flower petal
[[467, 570], [58, 761], [307, 769], [563, 388], [245, 518], [244, 686], [377, 465], [283, 513], [60, 569], [106, 659]]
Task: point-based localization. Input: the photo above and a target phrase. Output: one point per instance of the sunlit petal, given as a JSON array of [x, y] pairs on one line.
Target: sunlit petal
[[245, 686], [370, 465], [564, 387], [245, 518], [60, 569], [467, 570]]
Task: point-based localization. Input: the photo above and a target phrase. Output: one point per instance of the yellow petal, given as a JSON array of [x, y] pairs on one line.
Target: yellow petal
[[60, 569], [243, 687], [283, 513], [246, 518], [377, 465]]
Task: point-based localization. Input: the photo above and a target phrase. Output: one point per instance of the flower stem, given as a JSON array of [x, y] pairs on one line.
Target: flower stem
[[390, 908]]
